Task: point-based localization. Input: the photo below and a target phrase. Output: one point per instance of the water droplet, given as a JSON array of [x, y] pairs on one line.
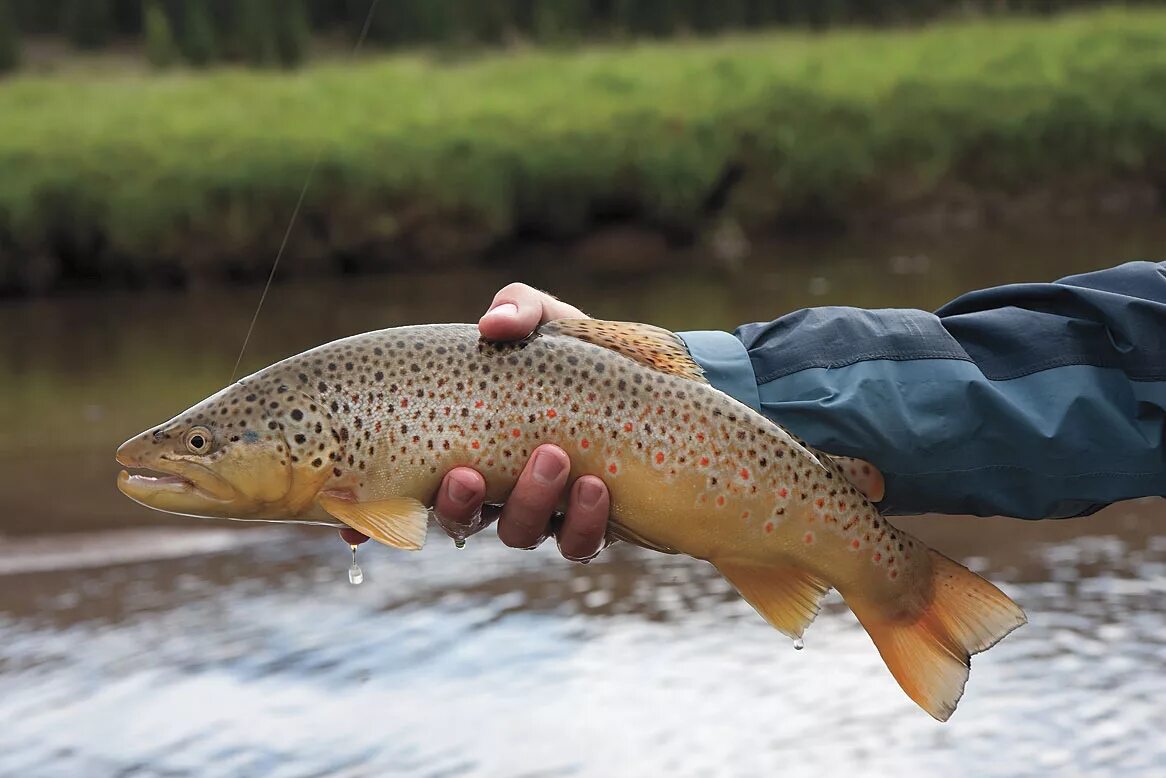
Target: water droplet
[[459, 542], [799, 644], [355, 574]]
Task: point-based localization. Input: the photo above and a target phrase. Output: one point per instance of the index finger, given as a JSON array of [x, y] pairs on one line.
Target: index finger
[[517, 309]]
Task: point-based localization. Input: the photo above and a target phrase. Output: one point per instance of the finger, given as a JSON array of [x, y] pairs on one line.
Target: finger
[[529, 506], [517, 309], [582, 533], [352, 537], [458, 504]]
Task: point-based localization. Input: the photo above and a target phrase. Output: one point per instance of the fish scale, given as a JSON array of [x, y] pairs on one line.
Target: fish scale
[[363, 430]]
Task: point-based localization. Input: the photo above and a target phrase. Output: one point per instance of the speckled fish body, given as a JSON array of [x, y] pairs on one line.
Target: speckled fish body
[[363, 429]]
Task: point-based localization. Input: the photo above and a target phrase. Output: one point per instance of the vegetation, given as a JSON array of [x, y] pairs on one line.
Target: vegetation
[[422, 159], [88, 23], [9, 42], [292, 33], [198, 34], [278, 27], [161, 50]]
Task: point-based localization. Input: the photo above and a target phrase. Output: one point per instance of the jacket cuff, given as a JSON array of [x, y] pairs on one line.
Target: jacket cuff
[[726, 364]]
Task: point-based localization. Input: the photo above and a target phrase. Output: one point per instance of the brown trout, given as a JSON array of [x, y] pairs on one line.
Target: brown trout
[[363, 429]]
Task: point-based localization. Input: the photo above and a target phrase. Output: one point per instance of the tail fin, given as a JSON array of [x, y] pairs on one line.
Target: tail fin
[[930, 656]]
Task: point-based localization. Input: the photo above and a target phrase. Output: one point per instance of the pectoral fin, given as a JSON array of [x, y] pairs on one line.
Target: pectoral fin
[[400, 522], [788, 598]]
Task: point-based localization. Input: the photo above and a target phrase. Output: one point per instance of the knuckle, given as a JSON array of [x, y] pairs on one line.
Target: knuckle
[[514, 289]]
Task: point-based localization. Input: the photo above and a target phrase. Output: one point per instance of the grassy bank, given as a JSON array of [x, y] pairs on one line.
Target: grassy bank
[[132, 176]]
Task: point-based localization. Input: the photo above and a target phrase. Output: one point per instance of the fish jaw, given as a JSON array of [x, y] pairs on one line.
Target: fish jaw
[[183, 487], [171, 494]]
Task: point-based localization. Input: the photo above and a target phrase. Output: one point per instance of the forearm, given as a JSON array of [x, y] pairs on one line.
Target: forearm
[[1034, 400]]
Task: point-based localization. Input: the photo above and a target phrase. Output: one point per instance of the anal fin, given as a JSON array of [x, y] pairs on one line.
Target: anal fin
[[788, 597], [400, 522]]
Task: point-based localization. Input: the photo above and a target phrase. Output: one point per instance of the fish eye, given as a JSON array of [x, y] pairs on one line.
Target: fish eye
[[198, 440]]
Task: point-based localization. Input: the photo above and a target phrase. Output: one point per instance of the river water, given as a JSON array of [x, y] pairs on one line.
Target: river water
[[138, 644]]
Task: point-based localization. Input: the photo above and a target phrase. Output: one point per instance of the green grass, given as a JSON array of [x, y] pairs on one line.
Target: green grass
[[117, 174]]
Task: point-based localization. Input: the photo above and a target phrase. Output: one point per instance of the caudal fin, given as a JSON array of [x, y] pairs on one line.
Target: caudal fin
[[931, 654]]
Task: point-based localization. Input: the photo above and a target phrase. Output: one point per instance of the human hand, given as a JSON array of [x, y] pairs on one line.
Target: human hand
[[525, 520]]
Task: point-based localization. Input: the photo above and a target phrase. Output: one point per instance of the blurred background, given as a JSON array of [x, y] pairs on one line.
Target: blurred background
[[690, 164]]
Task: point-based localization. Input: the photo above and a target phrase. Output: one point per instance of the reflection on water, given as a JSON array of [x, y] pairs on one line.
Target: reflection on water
[[136, 644], [262, 661]]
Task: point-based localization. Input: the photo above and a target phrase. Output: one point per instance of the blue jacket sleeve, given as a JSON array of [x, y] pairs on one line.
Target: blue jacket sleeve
[[1029, 400]]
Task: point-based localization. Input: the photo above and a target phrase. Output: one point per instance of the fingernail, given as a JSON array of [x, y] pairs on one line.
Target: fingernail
[[590, 493], [547, 467], [459, 492], [505, 309]]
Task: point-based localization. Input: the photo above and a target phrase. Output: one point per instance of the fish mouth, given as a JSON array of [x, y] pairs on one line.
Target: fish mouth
[[175, 492]]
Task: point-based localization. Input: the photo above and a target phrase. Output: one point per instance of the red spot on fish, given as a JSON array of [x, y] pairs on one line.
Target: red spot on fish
[[704, 461], [475, 444], [585, 443], [720, 499], [878, 557], [700, 436], [659, 457], [854, 543], [405, 402], [894, 574], [479, 403], [769, 526], [745, 515], [809, 537], [819, 502], [745, 474], [591, 397], [783, 492], [551, 413], [378, 426], [516, 432], [841, 505], [612, 468], [627, 427]]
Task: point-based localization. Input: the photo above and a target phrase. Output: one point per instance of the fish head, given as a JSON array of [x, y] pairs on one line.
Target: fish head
[[252, 451]]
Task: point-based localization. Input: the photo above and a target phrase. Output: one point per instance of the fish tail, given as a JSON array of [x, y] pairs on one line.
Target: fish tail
[[930, 653]]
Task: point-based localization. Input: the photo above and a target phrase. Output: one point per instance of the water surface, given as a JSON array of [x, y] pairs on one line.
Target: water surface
[[136, 644]]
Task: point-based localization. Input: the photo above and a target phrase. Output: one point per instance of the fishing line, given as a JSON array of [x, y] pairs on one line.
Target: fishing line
[[299, 205]]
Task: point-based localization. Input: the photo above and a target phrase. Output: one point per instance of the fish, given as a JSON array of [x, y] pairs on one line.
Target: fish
[[360, 431]]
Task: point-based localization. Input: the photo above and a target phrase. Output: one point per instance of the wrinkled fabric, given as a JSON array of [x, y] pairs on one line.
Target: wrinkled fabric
[[1026, 400]]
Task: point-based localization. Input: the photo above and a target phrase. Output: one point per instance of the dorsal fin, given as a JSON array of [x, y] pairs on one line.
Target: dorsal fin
[[652, 347]]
